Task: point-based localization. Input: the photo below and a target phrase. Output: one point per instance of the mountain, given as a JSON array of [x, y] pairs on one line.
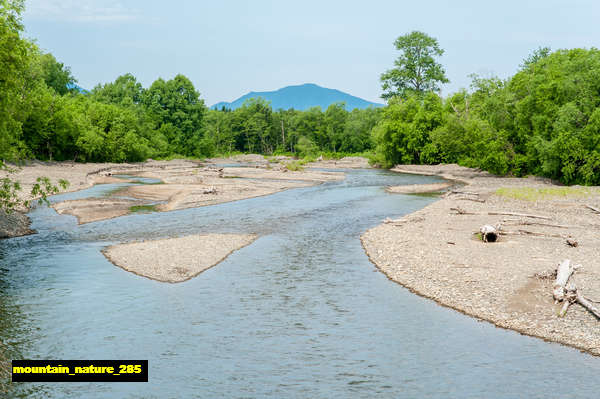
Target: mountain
[[74, 86], [301, 98]]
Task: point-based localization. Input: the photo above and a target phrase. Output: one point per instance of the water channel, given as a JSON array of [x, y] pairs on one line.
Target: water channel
[[300, 313]]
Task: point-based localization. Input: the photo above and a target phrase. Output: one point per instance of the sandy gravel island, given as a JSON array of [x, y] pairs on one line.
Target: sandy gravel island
[[436, 253], [174, 260], [183, 184]]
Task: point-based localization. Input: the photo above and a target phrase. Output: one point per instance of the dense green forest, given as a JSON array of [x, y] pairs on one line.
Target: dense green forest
[[544, 120]]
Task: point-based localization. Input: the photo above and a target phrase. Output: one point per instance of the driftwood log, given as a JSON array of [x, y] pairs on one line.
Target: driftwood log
[[586, 303], [526, 215], [569, 294], [563, 272], [593, 208]]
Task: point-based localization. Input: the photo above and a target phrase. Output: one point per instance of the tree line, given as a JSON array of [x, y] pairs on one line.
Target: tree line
[[544, 120], [44, 115]]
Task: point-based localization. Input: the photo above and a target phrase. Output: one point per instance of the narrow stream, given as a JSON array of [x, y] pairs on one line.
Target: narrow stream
[[300, 313]]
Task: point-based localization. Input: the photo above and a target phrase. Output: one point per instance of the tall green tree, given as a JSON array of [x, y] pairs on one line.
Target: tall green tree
[[14, 63], [177, 108], [416, 70], [56, 75], [125, 90]]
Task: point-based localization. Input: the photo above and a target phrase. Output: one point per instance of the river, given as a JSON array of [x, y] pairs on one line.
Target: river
[[300, 313]]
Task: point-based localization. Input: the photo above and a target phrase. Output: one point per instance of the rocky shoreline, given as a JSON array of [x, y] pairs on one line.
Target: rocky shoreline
[[14, 224], [435, 252]]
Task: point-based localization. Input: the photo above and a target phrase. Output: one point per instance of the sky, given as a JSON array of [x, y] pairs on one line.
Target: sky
[[228, 48]]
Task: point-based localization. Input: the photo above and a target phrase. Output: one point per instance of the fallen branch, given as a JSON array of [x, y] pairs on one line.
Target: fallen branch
[[583, 301], [463, 192], [593, 208], [559, 226], [531, 233], [520, 214]]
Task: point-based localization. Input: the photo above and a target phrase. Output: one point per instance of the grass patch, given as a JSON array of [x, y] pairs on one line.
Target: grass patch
[[537, 194], [142, 208], [294, 166], [272, 159], [144, 182]]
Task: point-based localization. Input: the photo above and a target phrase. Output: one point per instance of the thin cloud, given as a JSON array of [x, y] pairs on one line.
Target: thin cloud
[[81, 10]]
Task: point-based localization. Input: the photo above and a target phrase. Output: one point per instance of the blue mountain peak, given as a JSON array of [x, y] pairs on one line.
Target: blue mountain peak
[[302, 97]]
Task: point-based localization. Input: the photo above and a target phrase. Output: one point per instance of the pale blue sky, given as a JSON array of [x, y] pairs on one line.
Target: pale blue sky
[[228, 47]]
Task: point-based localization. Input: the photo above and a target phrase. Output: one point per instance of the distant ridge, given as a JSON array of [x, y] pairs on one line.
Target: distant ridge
[[302, 97], [74, 86]]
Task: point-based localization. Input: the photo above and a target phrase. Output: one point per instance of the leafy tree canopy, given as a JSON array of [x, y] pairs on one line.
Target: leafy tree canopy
[[416, 70]]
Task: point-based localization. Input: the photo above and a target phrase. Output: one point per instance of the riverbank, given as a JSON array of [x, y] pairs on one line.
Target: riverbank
[[436, 253], [175, 260]]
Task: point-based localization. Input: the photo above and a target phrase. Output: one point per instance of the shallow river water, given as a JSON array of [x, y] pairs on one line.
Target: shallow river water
[[300, 313]]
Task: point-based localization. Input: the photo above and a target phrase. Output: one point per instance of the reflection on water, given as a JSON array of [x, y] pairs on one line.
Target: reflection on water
[[300, 313]]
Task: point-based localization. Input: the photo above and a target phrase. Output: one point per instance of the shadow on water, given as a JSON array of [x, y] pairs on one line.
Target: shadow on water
[[299, 313]]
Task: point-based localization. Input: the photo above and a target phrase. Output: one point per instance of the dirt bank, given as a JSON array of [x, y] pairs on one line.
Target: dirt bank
[[435, 252], [174, 260]]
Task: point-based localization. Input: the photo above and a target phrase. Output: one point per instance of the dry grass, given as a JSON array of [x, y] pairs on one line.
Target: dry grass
[[546, 193]]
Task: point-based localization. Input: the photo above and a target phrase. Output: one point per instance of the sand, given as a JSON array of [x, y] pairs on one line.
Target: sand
[[174, 260], [344, 163], [419, 188], [435, 253], [95, 209]]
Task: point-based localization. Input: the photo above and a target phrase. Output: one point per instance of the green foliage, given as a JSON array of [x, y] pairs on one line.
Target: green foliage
[[403, 134], [545, 120], [142, 208], [43, 187], [416, 70], [125, 90], [9, 190], [179, 112], [55, 74], [14, 64], [305, 147], [294, 166]]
